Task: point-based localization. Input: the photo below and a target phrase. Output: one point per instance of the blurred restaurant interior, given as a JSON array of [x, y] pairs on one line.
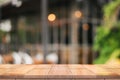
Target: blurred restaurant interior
[[53, 32]]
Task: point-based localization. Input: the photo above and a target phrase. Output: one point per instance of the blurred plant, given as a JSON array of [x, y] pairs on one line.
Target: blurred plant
[[107, 39], [111, 12]]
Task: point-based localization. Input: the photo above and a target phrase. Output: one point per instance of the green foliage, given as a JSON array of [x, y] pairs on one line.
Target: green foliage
[[110, 13], [107, 42], [115, 54], [110, 8], [108, 35]]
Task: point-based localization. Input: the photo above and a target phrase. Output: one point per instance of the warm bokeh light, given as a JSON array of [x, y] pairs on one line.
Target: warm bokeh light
[[78, 14], [85, 27], [51, 17]]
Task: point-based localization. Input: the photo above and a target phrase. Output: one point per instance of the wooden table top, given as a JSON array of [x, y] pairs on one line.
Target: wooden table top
[[59, 71]]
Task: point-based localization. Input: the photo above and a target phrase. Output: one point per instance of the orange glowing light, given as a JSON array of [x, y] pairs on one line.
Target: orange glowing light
[[51, 17], [85, 27], [78, 14]]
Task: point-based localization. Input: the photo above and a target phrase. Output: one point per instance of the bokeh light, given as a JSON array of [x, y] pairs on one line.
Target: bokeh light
[[78, 14], [85, 27], [51, 17]]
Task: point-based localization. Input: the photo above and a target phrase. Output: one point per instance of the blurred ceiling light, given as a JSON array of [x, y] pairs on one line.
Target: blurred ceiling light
[[5, 26], [51, 17], [17, 3], [85, 27], [78, 14]]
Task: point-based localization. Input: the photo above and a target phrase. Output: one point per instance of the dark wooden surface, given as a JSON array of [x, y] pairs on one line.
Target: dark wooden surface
[[59, 72]]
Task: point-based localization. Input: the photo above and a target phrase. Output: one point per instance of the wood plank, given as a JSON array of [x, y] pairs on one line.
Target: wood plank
[[2, 71], [115, 71], [75, 79], [30, 79], [82, 73], [75, 66], [21, 70], [59, 71], [7, 79], [112, 79], [7, 66], [102, 72], [43, 79], [37, 73], [98, 70], [88, 79], [59, 79], [43, 66], [110, 66]]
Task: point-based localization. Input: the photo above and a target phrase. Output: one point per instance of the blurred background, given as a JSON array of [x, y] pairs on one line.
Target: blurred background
[[59, 31]]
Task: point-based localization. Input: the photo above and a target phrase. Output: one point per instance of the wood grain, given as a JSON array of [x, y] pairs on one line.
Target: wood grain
[[110, 66], [21, 70], [30, 79], [88, 79], [7, 79], [59, 72], [43, 66], [43, 79], [98, 70], [72, 66], [112, 79]]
